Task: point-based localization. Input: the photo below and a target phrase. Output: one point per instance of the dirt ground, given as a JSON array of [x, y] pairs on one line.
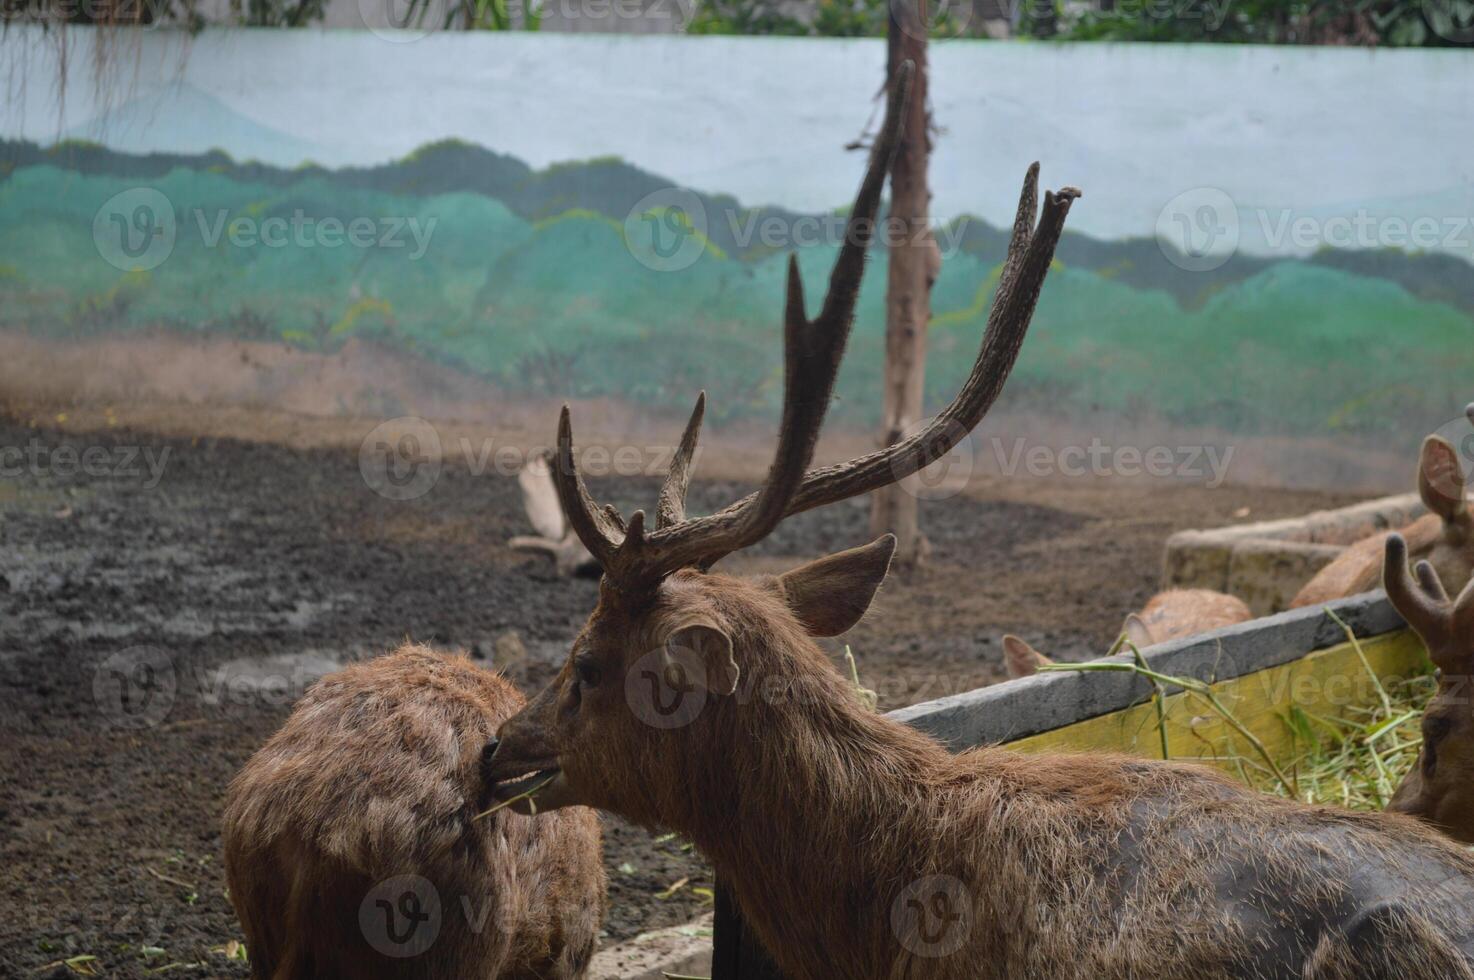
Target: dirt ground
[[246, 556]]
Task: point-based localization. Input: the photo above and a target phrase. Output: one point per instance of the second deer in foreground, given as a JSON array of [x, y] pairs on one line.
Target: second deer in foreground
[[858, 848], [353, 849]]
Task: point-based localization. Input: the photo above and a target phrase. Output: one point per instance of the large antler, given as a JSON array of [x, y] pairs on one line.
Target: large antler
[[633, 557]]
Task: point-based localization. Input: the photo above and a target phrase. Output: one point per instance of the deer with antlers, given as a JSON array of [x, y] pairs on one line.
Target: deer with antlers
[[859, 848], [1440, 787], [1444, 536]]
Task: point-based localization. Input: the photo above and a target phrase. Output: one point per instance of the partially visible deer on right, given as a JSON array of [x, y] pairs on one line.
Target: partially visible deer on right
[[1440, 787], [1168, 615], [1444, 536]]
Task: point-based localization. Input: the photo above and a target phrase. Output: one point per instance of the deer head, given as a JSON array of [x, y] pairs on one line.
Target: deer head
[[666, 663], [1440, 789]]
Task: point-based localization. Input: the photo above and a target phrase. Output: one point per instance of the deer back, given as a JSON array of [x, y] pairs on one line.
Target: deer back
[[373, 784]]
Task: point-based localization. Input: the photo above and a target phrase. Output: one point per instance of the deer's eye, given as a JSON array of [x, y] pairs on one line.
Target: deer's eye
[[588, 673]]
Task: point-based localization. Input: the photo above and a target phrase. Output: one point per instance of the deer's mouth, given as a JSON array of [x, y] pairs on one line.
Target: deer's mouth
[[529, 785]]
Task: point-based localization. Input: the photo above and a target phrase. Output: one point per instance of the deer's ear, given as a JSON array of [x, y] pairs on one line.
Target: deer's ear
[[1020, 659], [830, 594], [1136, 631], [1441, 479], [711, 648]]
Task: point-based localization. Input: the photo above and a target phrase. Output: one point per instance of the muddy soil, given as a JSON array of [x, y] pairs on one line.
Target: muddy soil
[[216, 562]]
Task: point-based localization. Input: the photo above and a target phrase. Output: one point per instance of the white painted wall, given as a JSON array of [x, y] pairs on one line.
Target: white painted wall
[[1285, 133]]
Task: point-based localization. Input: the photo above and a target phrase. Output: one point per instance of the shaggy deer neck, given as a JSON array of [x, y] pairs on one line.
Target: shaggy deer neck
[[818, 811]]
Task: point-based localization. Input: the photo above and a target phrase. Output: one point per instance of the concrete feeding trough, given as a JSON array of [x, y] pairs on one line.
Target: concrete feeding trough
[[1265, 564], [1258, 670]]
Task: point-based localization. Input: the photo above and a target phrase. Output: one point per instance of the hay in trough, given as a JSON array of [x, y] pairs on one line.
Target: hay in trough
[[1354, 759]]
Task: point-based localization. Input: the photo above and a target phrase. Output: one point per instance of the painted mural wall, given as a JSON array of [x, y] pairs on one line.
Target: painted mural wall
[[1271, 240]]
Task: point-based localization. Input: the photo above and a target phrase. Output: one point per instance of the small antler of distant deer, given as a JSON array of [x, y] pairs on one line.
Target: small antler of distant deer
[[1419, 596], [633, 556]]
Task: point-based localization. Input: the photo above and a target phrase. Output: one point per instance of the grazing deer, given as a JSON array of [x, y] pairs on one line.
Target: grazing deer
[[857, 847], [554, 537], [1444, 536], [1168, 615], [352, 846], [1440, 788]]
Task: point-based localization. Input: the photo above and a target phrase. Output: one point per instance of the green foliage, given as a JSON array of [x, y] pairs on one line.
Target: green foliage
[[1335, 22], [561, 307]]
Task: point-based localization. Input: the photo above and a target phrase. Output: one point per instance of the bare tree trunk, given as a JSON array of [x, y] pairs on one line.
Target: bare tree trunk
[[914, 263]]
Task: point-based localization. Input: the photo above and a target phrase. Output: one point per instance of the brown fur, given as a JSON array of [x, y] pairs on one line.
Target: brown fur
[[1169, 615], [1444, 536], [1440, 787], [377, 774], [822, 816], [1176, 613]]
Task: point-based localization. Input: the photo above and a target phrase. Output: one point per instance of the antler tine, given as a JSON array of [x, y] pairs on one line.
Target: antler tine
[[814, 349], [599, 530], [670, 507], [1031, 251], [849, 265], [1422, 610]]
